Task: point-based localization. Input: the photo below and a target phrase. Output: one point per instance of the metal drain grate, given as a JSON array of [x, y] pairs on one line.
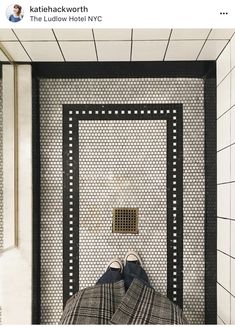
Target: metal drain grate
[[125, 220]]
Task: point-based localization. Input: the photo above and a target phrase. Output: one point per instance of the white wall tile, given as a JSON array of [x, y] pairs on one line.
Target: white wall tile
[[223, 304], [78, 51], [113, 51], [2, 56], [233, 125], [120, 34], [212, 49], [233, 163], [219, 321], [151, 34], [232, 75], [232, 310], [16, 51], [43, 51], [73, 34], [223, 235], [223, 64], [148, 50], [223, 200], [233, 200], [233, 52], [223, 131], [189, 34], [41, 34], [223, 96], [233, 238], [233, 276], [221, 33], [7, 35], [223, 270], [223, 165], [183, 50]]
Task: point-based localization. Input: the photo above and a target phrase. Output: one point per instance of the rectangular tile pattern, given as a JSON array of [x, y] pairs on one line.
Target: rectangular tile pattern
[[54, 93], [226, 184], [120, 164]]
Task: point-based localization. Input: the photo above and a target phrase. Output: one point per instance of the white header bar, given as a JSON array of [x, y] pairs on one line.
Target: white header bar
[[119, 14]]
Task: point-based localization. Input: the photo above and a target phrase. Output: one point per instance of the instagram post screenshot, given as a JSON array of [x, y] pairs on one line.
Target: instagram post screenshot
[[117, 162]]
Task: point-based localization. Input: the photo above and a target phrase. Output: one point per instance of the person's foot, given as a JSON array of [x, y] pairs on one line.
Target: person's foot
[[134, 257], [115, 264]]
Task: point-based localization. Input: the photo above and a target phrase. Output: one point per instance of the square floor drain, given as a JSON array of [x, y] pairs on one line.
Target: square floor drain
[[125, 220]]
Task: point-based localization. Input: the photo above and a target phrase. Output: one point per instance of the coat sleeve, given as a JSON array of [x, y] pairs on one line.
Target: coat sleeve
[[68, 316]]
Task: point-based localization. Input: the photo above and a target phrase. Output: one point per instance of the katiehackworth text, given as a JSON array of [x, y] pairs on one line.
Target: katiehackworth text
[[61, 9]]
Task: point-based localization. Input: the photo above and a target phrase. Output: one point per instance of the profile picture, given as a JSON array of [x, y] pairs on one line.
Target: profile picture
[[15, 13]]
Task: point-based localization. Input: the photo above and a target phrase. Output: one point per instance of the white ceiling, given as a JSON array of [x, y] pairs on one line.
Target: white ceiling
[[24, 45]]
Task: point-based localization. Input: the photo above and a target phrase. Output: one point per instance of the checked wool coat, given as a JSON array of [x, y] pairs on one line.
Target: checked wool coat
[[110, 304]]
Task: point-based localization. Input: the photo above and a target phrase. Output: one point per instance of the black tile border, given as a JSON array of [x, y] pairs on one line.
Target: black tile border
[[172, 113], [36, 259], [210, 198], [135, 69], [189, 69]]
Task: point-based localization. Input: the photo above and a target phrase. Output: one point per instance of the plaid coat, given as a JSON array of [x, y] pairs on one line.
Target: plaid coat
[[110, 304]]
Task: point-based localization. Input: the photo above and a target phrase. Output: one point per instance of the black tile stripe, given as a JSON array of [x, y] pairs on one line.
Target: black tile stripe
[[36, 299], [210, 199], [134, 69], [144, 112]]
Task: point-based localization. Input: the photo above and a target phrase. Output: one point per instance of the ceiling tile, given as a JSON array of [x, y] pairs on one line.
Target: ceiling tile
[[112, 34], [212, 49], [148, 50], [183, 50], [35, 34], [74, 34], [16, 51], [151, 34], [2, 56], [78, 51], [7, 35], [113, 51], [220, 33], [43, 51], [189, 34]]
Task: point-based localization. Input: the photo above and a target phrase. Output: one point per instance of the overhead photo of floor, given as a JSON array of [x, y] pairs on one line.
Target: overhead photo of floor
[[107, 124]]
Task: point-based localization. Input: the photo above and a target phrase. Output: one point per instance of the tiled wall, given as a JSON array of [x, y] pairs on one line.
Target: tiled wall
[[226, 185]]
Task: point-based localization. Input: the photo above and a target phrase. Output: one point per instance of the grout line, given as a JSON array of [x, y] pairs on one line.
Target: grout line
[[22, 45], [226, 218], [131, 44], [228, 255], [167, 45], [58, 44], [223, 50], [226, 112], [96, 52], [225, 289], [204, 44], [227, 146], [223, 183], [221, 319], [116, 40], [230, 71]]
